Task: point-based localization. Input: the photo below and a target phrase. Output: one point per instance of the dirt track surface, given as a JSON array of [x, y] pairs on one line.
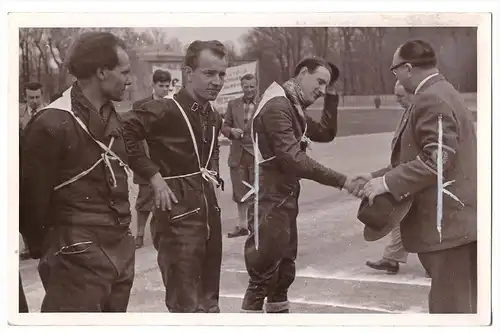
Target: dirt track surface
[[331, 272]]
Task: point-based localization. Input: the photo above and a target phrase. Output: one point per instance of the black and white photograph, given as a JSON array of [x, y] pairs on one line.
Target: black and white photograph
[[329, 164]]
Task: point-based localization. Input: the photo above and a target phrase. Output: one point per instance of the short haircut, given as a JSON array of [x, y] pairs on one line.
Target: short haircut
[[93, 50], [312, 63], [248, 76], [33, 86], [418, 53], [161, 76], [195, 48]]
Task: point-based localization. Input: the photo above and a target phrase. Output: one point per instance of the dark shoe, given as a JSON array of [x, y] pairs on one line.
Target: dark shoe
[[238, 233], [391, 267], [139, 242]]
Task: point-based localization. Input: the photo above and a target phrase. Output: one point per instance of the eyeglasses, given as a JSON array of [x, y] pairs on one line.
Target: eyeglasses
[[393, 68]]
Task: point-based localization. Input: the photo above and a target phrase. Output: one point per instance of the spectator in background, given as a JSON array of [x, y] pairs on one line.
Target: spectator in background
[[174, 88], [395, 252], [145, 199], [236, 127], [33, 93]]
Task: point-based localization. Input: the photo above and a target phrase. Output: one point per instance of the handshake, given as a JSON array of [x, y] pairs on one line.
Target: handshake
[[364, 185]]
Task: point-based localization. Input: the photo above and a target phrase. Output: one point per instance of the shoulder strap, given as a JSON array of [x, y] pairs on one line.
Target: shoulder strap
[[274, 90], [64, 103], [193, 138]]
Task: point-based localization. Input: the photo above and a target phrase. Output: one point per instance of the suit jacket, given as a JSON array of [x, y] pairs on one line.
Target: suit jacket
[[235, 118], [137, 105], [25, 115], [413, 170]]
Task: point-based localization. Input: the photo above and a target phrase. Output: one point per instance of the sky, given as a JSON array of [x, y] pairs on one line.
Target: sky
[[187, 35]]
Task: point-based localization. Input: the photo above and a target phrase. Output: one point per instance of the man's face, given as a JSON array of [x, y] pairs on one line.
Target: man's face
[[115, 81], [161, 88], [402, 71], [402, 96], [208, 78], [249, 88], [313, 84], [34, 98]]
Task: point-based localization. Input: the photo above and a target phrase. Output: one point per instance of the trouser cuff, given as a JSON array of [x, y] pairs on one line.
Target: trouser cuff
[[398, 259], [251, 311], [278, 307]]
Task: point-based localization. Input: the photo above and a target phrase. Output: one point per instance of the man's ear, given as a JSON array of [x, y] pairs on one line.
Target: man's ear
[[101, 73], [188, 72], [302, 71]]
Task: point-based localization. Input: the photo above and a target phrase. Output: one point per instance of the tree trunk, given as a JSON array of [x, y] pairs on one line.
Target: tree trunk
[[39, 68], [25, 61], [325, 44], [348, 80], [380, 64]]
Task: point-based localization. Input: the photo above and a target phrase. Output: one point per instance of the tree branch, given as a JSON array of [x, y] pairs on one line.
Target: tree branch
[[58, 63]]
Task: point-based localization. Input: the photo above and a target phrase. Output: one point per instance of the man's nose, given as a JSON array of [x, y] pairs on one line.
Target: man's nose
[[322, 90], [217, 81]]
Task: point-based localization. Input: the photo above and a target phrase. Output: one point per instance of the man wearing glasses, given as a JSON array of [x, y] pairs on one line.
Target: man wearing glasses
[[447, 247]]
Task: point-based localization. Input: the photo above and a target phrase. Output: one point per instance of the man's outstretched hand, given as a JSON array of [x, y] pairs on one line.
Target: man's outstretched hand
[[355, 184]]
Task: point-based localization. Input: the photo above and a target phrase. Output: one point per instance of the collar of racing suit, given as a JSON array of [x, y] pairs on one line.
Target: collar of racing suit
[[186, 99]]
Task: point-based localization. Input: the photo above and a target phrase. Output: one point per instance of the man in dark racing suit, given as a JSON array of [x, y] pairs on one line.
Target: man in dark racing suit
[[74, 204], [183, 167], [281, 131]]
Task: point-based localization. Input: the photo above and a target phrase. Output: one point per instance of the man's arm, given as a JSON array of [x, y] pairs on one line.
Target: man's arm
[[128, 114], [420, 173], [228, 122], [288, 153], [326, 129], [136, 127], [380, 172], [39, 163]]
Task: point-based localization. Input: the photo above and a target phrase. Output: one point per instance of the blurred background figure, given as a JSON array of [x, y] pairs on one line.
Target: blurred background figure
[[236, 128], [394, 252], [145, 198]]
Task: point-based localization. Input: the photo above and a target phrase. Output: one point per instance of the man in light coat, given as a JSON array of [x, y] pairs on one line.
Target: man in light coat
[[446, 247]]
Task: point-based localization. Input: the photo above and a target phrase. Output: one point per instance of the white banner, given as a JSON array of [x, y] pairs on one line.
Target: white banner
[[232, 85], [220, 104], [233, 75]]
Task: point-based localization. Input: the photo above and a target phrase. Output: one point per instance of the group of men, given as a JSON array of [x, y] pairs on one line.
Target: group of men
[[78, 152]]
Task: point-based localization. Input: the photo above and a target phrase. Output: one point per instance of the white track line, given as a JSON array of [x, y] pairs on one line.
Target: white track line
[[325, 303], [343, 276]]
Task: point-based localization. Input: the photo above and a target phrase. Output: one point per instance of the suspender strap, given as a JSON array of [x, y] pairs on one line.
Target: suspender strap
[[208, 175], [64, 103]]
